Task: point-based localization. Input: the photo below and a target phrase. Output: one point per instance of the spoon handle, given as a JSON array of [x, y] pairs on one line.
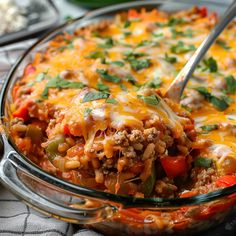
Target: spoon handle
[[176, 88]]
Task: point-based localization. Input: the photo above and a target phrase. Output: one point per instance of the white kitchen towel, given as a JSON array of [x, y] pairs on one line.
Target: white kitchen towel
[[15, 217]]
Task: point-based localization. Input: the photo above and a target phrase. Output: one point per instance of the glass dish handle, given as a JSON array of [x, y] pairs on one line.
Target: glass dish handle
[[47, 198]]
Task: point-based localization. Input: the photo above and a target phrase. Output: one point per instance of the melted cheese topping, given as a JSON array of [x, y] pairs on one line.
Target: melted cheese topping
[[143, 40]]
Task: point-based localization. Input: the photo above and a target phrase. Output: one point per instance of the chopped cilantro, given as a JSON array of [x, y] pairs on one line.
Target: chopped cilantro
[[222, 44], [127, 24], [220, 103], [144, 43], [210, 64], [111, 78], [108, 43], [131, 79], [155, 83], [127, 33], [87, 112], [230, 84], [111, 100], [207, 128], [171, 22], [102, 87], [96, 54], [150, 100], [123, 87], [188, 33], [157, 35], [118, 63], [59, 83], [92, 96], [139, 64], [180, 47], [169, 59], [69, 45]]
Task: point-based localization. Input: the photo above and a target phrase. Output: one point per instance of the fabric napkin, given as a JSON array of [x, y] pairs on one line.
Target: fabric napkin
[[15, 217]]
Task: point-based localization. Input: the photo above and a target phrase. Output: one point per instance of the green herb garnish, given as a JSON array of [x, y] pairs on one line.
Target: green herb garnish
[[96, 54], [130, 79], [111, 101], [180, 47], [150, 100], [219, 103], [222, 44], [210, 64], [171, 22], [109, 43], [123, 87], [169, 59], [118, 63], [59, 83], [104, 75], [87, 112], [207, 128], [127, 24], [230, 84], [202, 162], [139, 64], [102, 87], [155, 83], [92, 96]]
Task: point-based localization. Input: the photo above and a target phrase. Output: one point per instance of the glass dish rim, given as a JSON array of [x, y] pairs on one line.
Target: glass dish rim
[[127, 201]]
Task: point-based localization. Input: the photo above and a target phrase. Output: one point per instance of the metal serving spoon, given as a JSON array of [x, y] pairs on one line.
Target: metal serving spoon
[[176, 88]]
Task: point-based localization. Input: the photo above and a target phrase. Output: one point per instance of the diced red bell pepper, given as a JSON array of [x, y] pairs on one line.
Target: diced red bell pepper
[[66, 129], [174, 166], [226, 181], [29, 69], [203, 11], [132, 13], [22, 111]]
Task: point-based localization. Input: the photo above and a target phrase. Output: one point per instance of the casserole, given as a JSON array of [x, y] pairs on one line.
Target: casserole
[[78, 204]]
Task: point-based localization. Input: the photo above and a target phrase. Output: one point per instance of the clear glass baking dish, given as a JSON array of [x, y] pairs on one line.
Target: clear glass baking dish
[[108, 213]]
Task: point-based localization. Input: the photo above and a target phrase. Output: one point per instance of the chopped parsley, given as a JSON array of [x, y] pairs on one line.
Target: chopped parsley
[[157, 35], [210, 64], [144, 43], [220, 103], [150, 100], [180, 47], [102, 87], [92, 96], [130, 79], [169, 59], [127, 24], [188, 33], [108, 43], [171, 22], [230, 84], [111, 101], [222, 44], [139, 64], [87, 112], [202, 162], [207, 128], [96, 54], [155, 83], [123, 87], [118, 63], [69, 45], [59, 83], [104, 75]]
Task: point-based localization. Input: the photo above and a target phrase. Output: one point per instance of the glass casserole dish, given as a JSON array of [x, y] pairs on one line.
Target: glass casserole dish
[[105, 211]]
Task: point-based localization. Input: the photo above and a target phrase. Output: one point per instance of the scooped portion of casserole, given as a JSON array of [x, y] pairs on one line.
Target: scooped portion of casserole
[[90, 109]]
